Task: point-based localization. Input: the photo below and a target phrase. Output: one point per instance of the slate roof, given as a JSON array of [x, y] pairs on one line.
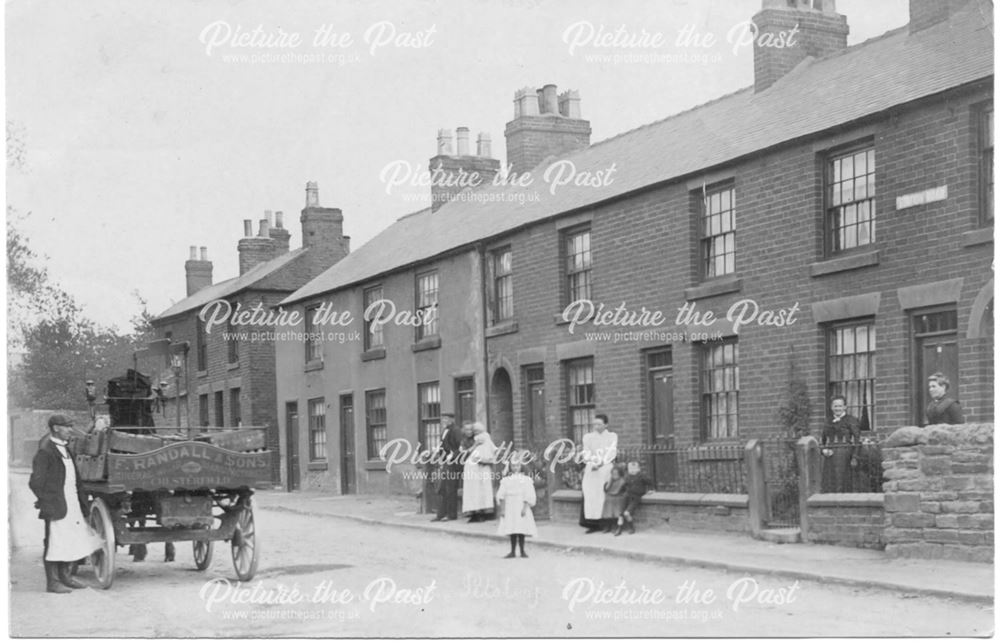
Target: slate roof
[[256, 276], [818, 95]]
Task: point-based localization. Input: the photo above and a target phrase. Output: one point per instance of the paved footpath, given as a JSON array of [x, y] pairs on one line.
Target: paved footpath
[[729, 552]]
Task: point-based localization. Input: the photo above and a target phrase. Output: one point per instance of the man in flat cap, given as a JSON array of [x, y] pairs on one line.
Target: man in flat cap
[[450, 469], [62, 505]]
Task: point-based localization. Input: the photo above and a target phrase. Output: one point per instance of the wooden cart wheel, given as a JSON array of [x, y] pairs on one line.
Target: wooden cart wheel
[[244, 544], [202, 554], [103, 560]]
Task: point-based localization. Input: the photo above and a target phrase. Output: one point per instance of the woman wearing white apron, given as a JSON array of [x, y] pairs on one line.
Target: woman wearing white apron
[[600, 447], [477, 475], [60, 504]]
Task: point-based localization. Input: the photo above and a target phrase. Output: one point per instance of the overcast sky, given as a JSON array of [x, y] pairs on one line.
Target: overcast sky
[[143, 137]]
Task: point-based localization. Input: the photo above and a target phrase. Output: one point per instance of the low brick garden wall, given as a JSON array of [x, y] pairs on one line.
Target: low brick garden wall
[[709, 511], [848, 519], [939, 492]]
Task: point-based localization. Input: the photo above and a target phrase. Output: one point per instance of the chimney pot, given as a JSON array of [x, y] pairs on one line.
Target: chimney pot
[[312, 194], [265, 229], [279, 219], [247, 228], [194, 253], [531, 140], [444, 142], [267, 215], [484, 146], [204, 253], [526, 102], [462, 137], [549, 99], [569, 103]]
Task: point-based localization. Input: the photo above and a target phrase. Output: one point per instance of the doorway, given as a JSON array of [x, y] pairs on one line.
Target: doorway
[[935, 338], [502, 411], [292, 445], [348, 473]]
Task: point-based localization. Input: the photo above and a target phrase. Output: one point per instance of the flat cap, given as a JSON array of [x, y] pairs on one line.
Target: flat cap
[[60, 420]]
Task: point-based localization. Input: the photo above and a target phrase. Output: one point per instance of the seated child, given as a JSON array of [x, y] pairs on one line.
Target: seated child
[[636, 486], [614, 498]]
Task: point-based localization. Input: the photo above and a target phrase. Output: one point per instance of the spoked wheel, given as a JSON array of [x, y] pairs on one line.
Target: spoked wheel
[[103, 560], [202, 554], [244, 544]]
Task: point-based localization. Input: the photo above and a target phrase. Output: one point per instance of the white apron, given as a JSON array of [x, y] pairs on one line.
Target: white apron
[[71, 538], [515, 490], [601, 449], [477, 479]]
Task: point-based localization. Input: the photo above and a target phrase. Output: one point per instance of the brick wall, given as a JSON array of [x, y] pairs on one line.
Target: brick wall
[[346, 369], [645, 249], [853, 520], [710, 512], [532, 139], [939, 492], [818, 35]]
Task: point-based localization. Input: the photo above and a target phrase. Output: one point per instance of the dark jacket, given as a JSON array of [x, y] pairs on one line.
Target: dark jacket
[[450, 450], [637, 485], [845, 430], [945, 411], [48, 476]]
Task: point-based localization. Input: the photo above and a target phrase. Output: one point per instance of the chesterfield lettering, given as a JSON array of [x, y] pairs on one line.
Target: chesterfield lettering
[[189, 465]]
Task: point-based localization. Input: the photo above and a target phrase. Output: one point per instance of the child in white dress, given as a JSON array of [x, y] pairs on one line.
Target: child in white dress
[[516, 497]]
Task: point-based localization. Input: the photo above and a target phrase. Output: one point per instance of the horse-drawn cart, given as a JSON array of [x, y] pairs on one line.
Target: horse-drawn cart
[[186, 484]]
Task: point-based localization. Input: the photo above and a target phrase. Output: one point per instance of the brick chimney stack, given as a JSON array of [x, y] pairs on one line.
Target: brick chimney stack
[[282, 237], [323, 228], [255, 250], [198, 271], [545, 124], [816, 30], [460, 167], [927, 13]]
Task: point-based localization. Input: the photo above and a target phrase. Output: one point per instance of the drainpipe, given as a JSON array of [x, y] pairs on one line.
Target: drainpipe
[[481, 247]]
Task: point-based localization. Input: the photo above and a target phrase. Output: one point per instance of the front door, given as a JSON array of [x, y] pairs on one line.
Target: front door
[[348, 478], [936, 350], [292, 444], [535, 377], [661, 416]]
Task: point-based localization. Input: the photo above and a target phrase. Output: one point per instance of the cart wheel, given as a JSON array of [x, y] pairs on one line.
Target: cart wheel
[[202, 554], [103, 560], [244, 545]]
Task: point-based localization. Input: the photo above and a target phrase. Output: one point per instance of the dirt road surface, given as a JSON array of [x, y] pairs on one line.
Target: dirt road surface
[[322, 576]]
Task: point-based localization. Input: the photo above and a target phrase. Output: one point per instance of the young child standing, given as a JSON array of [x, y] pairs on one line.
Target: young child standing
[[636, 486], [614, 498], [516, 497]]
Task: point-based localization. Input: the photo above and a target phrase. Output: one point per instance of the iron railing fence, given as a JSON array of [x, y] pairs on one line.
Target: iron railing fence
[[714, 468], [851, 467]]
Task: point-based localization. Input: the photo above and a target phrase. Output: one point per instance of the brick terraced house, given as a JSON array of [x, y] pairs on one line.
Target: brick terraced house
[[831, 224], [230, 381]]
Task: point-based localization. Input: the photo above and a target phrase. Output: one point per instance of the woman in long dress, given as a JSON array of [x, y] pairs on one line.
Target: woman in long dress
[[477, 475], [600, 447]]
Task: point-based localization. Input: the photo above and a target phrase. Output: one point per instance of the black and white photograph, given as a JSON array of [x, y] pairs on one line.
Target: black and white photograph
[[503, 319]]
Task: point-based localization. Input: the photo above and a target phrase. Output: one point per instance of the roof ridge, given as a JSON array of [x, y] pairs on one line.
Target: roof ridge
[[813, 59], [666, 118], [412, 214]]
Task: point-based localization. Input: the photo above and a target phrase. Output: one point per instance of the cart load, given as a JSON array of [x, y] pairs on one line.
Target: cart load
[[169, 484]]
